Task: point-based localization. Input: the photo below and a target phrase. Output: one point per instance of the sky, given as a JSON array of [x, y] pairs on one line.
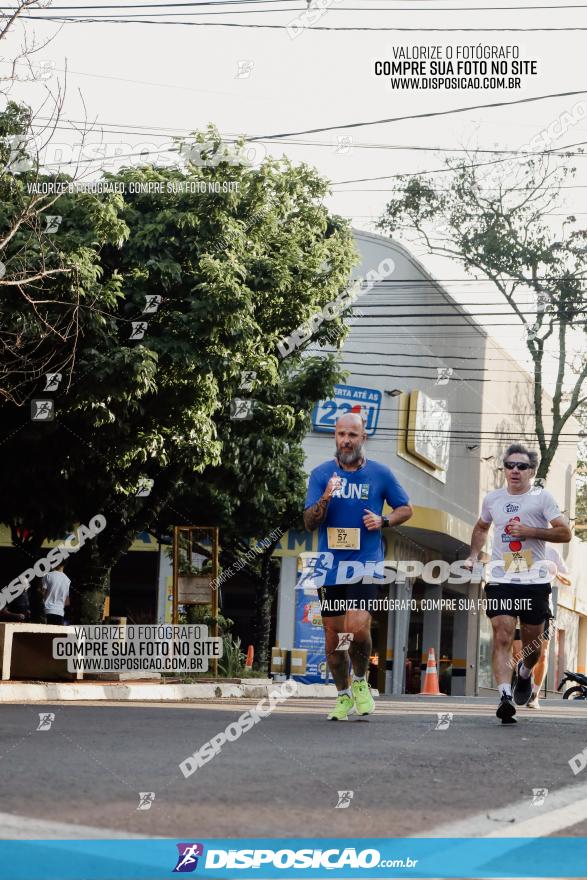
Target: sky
[[140, 84]]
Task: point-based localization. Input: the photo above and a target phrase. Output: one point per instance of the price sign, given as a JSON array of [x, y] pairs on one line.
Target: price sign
[[348, 398]]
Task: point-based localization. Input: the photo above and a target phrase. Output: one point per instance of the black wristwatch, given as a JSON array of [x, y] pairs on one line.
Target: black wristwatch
[[385, 522]]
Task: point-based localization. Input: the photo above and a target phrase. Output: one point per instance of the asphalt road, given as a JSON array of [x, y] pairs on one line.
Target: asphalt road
[[282, 777]]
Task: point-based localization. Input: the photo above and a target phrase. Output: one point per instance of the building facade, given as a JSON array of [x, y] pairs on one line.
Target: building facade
[[441, 400]]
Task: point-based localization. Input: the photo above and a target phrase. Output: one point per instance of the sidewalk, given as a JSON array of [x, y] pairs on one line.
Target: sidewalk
[[149, 691]]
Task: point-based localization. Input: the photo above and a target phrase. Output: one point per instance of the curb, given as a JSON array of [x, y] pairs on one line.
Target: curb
[[51, 692]]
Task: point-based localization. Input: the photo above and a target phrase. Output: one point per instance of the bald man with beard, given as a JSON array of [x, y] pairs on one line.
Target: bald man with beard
[[344, 502]]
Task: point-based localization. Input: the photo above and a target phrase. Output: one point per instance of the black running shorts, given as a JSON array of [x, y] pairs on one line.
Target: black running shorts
[[529, 602], [338, 599]]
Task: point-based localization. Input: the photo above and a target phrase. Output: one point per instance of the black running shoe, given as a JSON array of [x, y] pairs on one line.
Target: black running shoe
[[522, 689], [506, 710]]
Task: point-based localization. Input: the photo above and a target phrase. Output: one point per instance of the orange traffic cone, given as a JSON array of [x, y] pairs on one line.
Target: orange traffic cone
[[250, 657], [431, 688]]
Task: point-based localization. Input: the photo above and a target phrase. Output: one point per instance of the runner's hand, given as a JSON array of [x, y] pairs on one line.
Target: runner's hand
[[334, 483], [518, 530], [371, 520], [469, 563]]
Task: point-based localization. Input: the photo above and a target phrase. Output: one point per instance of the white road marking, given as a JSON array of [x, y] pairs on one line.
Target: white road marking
[[28, 828], [561, 809], [318, 706]]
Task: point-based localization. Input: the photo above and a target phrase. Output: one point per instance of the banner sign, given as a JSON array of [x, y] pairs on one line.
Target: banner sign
[[348, 398], [309, 634], [268, 859]]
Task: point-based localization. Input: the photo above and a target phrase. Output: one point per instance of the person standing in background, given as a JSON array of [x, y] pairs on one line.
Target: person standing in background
[[56, 595]]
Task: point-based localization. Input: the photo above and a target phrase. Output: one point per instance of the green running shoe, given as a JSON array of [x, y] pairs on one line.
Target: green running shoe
[[343, 708], [364, 702]]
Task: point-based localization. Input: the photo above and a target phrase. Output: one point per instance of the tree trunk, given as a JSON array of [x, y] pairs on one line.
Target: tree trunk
[[93, 587], [36, 602], [262, 618]]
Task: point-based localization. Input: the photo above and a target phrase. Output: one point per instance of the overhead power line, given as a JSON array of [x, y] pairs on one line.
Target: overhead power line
[[430, 114], [163, 131], [231, 3], [130, 19], [403, 315], [461, 433], [400, 318], [374, 189], [435, 280], [196, 3], [114, 128], [441, 357], [470, 165], [393, 365], [403, 174]]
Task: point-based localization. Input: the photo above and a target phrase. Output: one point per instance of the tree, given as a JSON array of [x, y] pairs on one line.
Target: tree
[[9, 22], [51, 293], [239, 257], [581, 494], [38, 334], [501, 231], [257, 491]]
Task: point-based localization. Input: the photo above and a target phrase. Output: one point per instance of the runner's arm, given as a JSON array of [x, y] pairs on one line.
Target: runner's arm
[[316, 513], [478, 538], [397, 498], [400, 514], [560, 532]]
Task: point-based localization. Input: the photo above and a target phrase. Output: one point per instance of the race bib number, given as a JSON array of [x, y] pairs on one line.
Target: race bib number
[[344, 539], [520, 561]]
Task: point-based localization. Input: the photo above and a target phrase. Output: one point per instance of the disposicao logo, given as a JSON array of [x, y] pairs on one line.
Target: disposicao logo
[[187, 860], [243, 859]]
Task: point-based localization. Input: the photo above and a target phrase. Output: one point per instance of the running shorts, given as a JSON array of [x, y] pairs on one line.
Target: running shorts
[[529, 602], [338, 599]]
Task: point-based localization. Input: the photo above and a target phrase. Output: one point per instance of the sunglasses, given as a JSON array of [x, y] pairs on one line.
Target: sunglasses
[[520, 465]]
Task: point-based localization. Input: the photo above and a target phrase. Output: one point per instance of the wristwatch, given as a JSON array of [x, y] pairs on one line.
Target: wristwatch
[[384, 522]]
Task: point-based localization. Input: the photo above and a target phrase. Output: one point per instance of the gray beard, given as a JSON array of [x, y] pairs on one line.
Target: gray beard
[[351, 457]]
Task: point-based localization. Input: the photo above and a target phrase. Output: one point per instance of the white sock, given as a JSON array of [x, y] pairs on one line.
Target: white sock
[[505, 689], [358, 677], [347, 692], [524, 672]]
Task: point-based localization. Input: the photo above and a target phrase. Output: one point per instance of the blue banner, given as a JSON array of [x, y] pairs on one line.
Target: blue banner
[[348, 398], [225, 859], [309, 634]]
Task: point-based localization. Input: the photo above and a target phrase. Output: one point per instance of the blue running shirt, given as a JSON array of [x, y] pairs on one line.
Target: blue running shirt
[[367, 487]]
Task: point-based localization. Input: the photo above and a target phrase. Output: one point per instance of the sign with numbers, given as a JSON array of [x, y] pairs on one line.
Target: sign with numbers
[[348, 398], [344, 539]]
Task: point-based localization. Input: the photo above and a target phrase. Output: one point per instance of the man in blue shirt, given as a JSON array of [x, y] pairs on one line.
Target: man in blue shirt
[[344, 501]]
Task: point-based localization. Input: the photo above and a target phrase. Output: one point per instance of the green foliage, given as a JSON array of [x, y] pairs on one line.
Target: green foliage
[[238, 268], [52, 284], [232, 662]]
